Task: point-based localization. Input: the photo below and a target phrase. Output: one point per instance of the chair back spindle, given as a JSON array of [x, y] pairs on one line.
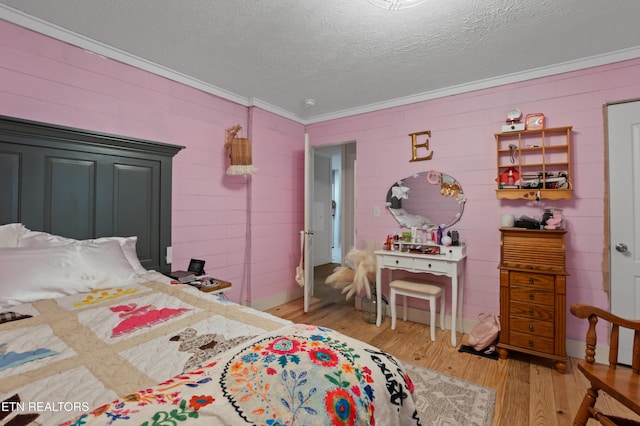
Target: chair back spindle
[[618, 381]]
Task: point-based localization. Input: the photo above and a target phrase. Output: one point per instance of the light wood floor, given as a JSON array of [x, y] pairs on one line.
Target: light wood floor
[[528, 390]]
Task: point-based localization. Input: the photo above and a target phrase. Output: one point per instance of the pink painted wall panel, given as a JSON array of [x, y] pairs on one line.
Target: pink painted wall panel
[[463, 143], [46, 80]]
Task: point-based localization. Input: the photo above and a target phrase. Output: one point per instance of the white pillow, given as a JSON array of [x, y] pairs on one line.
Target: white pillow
[[128, 245], [10, 233], [30, 274], [42, 239]]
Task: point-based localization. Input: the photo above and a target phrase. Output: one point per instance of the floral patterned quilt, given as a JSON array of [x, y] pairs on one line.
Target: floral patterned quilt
[[299, 375], [157, 354]]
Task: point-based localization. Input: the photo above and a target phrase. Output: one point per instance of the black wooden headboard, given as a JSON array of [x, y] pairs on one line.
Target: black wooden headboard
[[82, 184]]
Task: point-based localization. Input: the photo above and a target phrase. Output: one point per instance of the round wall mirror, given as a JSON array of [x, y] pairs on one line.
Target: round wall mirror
[[426, 200]]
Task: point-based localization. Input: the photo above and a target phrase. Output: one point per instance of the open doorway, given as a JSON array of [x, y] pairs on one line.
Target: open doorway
[[334, 214]]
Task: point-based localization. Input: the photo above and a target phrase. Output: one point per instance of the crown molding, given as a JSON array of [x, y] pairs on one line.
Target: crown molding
[[22, 19], [47, 28], [575, 65]]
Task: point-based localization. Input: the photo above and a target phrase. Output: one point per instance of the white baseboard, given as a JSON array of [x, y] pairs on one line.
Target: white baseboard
[[277, 299]]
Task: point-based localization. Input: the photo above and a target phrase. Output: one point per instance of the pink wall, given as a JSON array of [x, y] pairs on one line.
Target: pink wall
[[462, 138], [46, 80], [229, 220]]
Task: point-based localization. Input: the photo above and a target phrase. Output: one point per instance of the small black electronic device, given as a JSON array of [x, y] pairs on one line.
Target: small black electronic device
[[196, 267], [455, 238]]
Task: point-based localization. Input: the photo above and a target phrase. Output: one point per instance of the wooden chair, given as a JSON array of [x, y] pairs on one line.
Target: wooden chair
[[619, 382]]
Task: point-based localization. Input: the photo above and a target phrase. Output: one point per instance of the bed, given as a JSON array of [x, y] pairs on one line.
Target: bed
[[91, 337], [93, 332]]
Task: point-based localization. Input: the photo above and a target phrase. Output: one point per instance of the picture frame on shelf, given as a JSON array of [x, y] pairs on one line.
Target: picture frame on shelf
[[534, 121]]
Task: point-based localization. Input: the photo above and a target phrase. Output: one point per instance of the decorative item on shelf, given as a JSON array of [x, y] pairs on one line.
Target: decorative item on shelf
[[509, 178], [527, 222], [512, 152], [513, 121], [239, 150], [534, 121], [507, 220], [552, 218]]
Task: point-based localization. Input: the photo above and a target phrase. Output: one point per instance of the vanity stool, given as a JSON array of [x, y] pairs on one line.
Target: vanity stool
[[419, 289]]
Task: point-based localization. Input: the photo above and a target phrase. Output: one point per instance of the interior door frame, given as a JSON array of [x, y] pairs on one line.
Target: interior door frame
[[309, 178], [347, 204], [612, 236]]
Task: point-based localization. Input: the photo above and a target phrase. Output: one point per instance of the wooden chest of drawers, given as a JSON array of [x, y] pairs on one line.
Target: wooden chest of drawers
[[533, 294]]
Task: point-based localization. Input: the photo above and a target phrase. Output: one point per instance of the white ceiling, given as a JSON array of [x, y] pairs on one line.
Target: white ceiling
[[348, 56]]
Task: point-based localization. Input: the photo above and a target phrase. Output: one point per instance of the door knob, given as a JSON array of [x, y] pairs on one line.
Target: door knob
[[622, 247]]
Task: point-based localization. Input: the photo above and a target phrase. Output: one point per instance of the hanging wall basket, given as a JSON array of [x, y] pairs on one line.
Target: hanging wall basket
[[239, 150]]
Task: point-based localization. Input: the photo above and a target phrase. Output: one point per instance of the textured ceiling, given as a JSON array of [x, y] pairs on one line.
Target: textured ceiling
[[347, 55]]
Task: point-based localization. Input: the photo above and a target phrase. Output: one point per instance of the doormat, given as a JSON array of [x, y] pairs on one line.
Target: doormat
[[470, 350]]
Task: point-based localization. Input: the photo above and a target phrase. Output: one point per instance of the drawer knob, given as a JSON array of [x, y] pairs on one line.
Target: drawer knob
[[530, 327], [531, 312], [397, 261], [429, 266], [531, 281], [530, 343], [531, 296]]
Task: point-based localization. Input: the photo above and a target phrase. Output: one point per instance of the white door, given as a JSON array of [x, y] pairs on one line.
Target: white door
[[308, 222], [624, 210]]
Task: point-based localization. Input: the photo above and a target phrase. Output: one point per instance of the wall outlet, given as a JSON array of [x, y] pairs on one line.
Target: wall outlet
[[169, 257], [376, 211]]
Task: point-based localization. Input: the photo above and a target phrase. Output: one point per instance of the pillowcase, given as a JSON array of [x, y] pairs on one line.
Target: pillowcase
[[39, 239], [30, 274], [128, 245], [36, 239], [10, 233]]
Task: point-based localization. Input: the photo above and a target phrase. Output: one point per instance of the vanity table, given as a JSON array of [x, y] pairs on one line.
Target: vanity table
[[423, 202], [450, 263]]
